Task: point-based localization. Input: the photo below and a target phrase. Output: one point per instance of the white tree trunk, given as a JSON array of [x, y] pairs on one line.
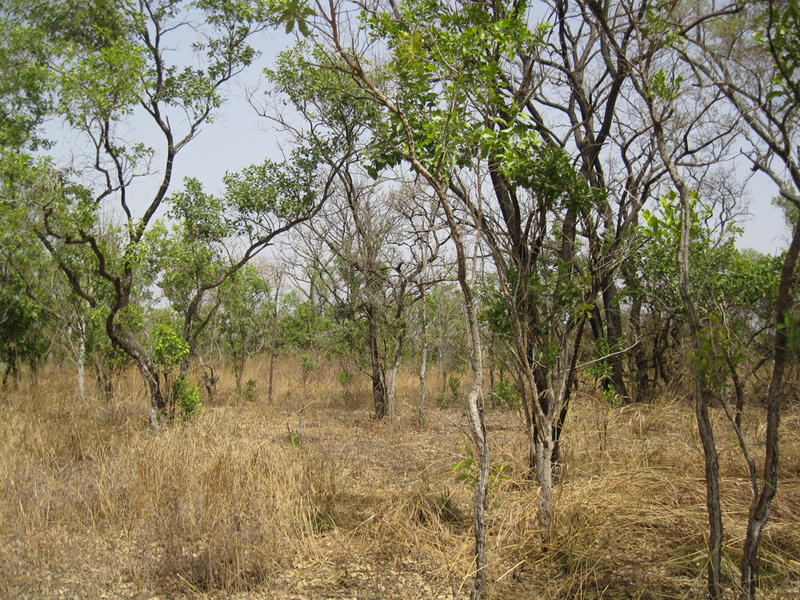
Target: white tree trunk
[[80, 357]]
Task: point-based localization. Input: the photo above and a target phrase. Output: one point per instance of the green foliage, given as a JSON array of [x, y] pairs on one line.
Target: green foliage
[[665, 86], [187, 398], [293, 12], [455, 386], [345, 376], [25, 329], [506, 394], [791, 329], [603, 371], [85, 68], [599, 370], [260, 193], [249, 391], [293, 438], [303, 323], [443, 400], [781, 39], [307, 363], [244, 317], [611, 397], [723, 276], [168, 347], [466, 470]]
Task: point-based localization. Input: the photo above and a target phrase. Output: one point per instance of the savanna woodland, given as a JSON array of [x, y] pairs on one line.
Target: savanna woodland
[[475, 322]]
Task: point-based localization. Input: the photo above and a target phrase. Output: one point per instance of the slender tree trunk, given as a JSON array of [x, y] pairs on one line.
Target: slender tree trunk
[[238, 372], [543, 451], [613, 337], [477, 423], [158, 405], [210, 380], [273, 338], [491, 370], [104, 380], [423, 365], [270, 392], [81, 360], [713, 506], [715, 529], [79, 351], [391, 375], [391, 378], [378, 383]]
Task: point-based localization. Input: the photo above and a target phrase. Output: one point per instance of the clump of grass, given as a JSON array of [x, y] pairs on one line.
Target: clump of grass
[[213, 503], [218, 506]]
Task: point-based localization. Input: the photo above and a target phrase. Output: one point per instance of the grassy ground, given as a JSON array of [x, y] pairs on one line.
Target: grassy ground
[[95, 505]]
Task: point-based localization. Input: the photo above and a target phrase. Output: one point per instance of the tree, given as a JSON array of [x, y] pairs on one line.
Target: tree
[[759, 79], [106, 66], [244, 318], [401, 118], [26, 331], [364, 266], [715, 52]]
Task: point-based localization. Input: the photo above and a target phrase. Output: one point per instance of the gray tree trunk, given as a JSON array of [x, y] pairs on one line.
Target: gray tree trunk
[[423, 366]]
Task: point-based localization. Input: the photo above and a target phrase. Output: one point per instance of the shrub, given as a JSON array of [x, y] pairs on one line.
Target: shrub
[[506, 394], [187, 397]]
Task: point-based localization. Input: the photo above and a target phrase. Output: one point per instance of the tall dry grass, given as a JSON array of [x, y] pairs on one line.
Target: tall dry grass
[[218, 502], [94, 504]]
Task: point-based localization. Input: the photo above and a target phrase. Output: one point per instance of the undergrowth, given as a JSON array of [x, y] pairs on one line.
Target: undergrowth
[[92, 502]]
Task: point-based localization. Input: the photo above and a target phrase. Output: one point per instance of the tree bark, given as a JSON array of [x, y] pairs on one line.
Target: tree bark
[[378, 383], [423, 365], [613, 336], [80, 357]]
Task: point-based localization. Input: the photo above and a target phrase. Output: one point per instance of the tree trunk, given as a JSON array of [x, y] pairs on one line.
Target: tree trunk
[[479, 519], [158, 405], [238, 373], [378, 383], [543, 451], [391, 378], [715, 530], [613, 336], [81, 360], [210, 379], [11, 367], [104, 379], [423, 366]]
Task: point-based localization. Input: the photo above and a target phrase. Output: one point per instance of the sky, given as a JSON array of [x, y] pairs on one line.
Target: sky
[[239, 138]]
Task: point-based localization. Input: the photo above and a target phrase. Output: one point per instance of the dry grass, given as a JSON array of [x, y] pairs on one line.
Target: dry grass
[[94, 505]]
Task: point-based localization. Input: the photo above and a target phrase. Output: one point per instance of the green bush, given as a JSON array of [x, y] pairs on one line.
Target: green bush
[[455, 386], [443, 400], [507, 394], [249, 392], [187, 397]]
